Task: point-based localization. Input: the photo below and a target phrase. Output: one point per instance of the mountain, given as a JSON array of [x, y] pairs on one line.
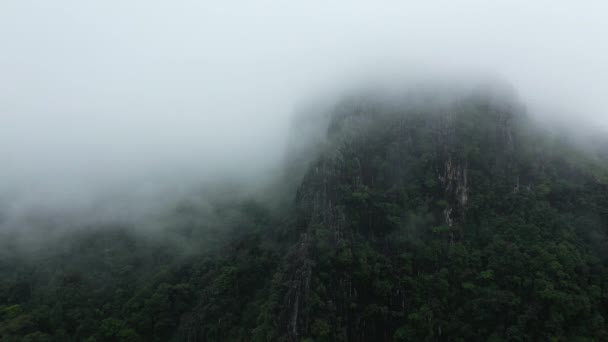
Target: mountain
[[430, 214]]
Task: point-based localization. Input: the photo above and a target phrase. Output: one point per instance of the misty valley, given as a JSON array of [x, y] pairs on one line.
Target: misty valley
[[420, 215]]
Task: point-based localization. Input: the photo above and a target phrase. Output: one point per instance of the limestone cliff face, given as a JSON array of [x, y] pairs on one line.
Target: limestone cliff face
[[378, 155]]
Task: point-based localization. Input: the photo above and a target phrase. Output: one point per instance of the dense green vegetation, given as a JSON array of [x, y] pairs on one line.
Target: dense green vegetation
[[419, 220]]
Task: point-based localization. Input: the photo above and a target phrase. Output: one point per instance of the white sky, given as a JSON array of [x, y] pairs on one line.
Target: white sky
[[100, 93]]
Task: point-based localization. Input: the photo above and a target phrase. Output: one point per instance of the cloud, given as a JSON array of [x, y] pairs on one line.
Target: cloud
[[138, 96]]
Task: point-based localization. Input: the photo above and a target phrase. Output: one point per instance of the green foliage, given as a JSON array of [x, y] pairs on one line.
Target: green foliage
[[417, 224]]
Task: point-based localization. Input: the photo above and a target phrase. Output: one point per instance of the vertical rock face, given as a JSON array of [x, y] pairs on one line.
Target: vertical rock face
[[455, 182], [378, 154]]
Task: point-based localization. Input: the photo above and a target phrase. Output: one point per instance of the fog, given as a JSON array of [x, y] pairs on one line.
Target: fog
[[134, 103]]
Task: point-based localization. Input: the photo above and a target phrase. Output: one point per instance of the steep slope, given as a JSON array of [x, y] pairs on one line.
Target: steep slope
[[450, 221]]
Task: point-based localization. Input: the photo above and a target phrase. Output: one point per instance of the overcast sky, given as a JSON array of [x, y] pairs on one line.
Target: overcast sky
[[95, 94]]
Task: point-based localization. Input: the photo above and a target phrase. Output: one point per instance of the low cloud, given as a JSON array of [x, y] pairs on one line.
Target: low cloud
[[143, 100]]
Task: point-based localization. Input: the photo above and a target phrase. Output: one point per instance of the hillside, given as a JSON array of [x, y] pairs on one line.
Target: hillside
[[430, 216]]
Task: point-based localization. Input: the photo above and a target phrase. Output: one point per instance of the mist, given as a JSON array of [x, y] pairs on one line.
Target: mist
[[122, 107]]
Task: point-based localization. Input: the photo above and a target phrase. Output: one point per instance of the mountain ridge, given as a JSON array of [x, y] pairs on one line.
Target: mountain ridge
[[425, 215]]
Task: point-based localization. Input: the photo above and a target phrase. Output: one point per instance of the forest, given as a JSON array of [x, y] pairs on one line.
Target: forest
[[419, 217]]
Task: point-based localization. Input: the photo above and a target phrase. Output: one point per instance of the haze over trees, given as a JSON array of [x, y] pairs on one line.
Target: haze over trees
[[306, 171], [423, 215]]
